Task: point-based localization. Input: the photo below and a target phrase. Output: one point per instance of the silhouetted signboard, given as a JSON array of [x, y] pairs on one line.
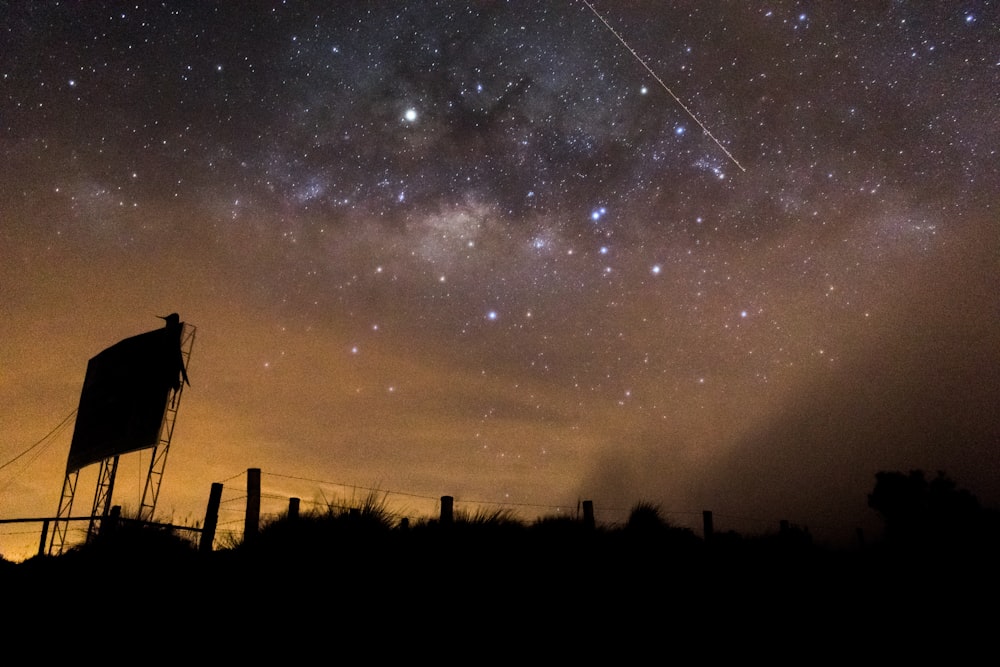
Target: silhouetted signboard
[[125, 395]]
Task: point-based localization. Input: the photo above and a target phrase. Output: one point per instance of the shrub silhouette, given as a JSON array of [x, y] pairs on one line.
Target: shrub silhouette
[[645, 517], [488, 517], [921, 512]]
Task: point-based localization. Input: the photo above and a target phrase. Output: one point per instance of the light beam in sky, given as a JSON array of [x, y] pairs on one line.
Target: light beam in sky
[[664, 86]]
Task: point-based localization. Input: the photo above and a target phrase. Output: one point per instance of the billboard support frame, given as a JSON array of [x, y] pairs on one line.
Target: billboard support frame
[[109, 465], [103, 493], [61, 524], [158, 458]]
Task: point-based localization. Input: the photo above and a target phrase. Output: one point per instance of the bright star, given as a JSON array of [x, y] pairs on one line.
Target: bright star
[[410, 115]]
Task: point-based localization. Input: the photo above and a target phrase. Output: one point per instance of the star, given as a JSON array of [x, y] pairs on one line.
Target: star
[[400, 177]]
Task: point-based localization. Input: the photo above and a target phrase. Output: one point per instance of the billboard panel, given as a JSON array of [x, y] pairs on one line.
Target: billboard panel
[[125, 395]]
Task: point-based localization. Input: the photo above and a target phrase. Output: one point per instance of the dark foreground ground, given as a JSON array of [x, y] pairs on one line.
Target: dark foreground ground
[[476, 593]]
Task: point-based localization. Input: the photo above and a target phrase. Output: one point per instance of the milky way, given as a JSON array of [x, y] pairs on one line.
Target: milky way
[[477, 249]]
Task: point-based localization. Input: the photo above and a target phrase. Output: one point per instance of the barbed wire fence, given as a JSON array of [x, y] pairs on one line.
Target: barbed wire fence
[[318, 496]]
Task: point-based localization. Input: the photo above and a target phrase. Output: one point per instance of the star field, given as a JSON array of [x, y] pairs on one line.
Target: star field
[[477, 249]]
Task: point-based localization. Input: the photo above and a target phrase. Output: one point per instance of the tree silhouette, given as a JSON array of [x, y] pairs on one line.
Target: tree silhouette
[[918, 511]]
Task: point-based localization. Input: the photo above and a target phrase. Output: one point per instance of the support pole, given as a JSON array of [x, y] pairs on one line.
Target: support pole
[[588, 515], [211, 518], [707, 525], [45, 533], [251, 523], [447, 510]]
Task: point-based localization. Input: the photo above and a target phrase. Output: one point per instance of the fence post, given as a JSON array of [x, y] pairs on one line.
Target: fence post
[[447, 510], [293, 509], [707, 525], [211, 518], [588, 515], [45, 533], [251, 523]]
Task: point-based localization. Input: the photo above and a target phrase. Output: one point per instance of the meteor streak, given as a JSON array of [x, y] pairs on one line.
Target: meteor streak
[[663, 85]]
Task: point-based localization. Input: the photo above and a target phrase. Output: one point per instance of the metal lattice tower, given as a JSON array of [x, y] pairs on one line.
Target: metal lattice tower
[[103, 493], [158, 461], [61, 524]]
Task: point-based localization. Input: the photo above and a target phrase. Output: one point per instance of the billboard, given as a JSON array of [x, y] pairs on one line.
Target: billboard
[[125, 395]]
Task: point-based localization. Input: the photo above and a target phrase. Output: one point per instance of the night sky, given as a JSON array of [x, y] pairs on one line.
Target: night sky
[[477, 249]]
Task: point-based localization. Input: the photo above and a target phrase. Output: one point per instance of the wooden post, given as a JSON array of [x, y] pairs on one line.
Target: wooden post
[[45, 533], [251, 523], [211, 518], [707, 525], [588, 515], [447, 510], [293, 509]]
